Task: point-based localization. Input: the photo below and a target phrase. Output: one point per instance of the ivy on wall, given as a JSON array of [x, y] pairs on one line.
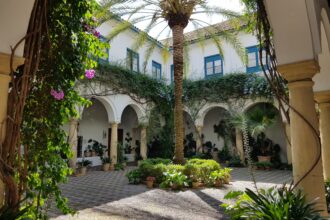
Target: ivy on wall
[[115, 79]]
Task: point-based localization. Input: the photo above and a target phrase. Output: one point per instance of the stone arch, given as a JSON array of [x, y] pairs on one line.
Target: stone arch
[[208, 107], [139, 110], [251, 103], [276, 132], [107, 104]]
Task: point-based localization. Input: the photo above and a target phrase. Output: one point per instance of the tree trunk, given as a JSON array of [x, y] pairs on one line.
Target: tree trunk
[[178, 40]]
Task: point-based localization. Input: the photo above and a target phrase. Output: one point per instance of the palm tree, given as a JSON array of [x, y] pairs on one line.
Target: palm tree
[[176, 15]]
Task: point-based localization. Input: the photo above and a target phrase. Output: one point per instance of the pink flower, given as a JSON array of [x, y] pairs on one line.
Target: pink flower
[[90, 74], [58, 95], [96, 33]]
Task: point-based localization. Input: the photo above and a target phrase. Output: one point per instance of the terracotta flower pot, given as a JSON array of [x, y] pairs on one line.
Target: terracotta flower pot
[[112, 167], [226, 180], [195, 185], [83, 171], [150, 184], [218, 183], [264, 158], [175, 187], [106, 167]]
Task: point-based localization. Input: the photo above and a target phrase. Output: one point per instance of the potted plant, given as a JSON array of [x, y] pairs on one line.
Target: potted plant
[[226, 175], [150, 181], [125, 162], [217, 178], [106, 161], [175, 180], [192, 171], [264, 148], [82, 165], [264, 165]]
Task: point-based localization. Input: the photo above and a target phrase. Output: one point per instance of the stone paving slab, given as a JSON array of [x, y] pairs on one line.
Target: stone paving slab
[[107, 195]]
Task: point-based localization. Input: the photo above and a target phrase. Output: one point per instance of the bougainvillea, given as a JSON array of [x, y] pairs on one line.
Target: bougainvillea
[[70, 46]]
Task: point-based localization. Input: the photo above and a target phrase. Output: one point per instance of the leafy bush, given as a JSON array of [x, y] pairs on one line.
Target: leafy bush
[[205, 167], [134, 176], [119, 166], [84, 163], [148, 168], [235, 161], [174, 179], [192, 171], [155, 161], [264, 164], [274, 203], [202, 156], [106, 160], [224, 154], [175, 168], [216, 175], [327, 193]]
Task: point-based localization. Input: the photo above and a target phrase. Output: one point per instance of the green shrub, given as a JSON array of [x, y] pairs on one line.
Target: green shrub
[[204, 167], [192, 171], [134, 176], [174, 179], [154, 161], [273, 203], [327, 193], [148, 169], [174, 168]]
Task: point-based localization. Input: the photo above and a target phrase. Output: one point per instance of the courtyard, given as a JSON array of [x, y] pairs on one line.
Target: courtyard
[[107, 195]]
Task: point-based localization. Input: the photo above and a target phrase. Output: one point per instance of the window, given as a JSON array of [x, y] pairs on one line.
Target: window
[[253, 62], [213, 65], [172, 73], [156, 70], [106, 51], [132, 60]]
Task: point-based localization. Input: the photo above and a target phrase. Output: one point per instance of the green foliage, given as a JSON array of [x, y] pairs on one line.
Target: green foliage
[[155, 161], [97, 147], [84, 163], [273, 204], [224, 154], [264, 164], [204, 167], [174, 179], [175, 168], [119, 166], [106, 160], [235, 161], [66, 54], [134, 176], [216, 175], [327, 193]]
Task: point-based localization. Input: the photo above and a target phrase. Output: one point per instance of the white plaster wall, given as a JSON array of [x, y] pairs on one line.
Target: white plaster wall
[[129, 123], [231, 63], [277, 135], [213, 117], [127, 39], [14, 20], [322, 79], [93, 124]]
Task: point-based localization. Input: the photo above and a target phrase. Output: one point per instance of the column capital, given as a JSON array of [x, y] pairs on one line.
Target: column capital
[[299, 71], [322, 97], [5, 63], [114, 123], [73, 121]]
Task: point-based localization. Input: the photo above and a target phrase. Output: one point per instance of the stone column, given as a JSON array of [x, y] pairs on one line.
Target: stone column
[[114, 142], [323, 99], [199, 144], [304, 144], [133, 141], [143, 147], [4, 87], [288, 143], [239, 145], [73, 141]]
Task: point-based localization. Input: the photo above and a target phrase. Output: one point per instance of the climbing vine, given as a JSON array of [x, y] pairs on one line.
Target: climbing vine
[[61, 46]]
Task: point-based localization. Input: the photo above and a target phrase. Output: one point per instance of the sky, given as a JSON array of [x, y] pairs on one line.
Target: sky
[[234, 5]]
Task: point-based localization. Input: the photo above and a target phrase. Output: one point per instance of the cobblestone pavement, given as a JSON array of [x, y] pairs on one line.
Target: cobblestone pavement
[[107, 195]]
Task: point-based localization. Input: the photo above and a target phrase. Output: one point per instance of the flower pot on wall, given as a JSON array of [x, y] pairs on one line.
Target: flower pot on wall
[[195, 185], [218, 183], [106, 167], [83, 171], [264, 158], [150, 184]]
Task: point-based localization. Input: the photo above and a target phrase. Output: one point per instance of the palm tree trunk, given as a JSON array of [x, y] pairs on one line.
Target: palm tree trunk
[[178, 40]]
